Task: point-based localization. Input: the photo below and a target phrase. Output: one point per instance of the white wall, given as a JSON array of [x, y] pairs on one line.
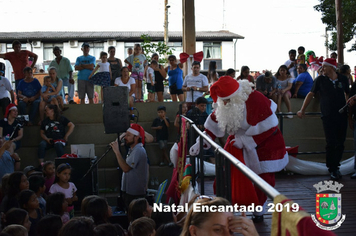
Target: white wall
[[227, 55]]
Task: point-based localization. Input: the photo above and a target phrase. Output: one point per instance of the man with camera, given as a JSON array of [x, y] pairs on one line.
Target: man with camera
[[195, 84]]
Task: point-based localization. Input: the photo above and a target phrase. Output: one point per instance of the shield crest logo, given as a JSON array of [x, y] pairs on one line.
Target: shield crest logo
[[328, 206]]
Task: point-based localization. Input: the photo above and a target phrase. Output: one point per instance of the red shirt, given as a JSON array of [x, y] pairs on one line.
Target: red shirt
[[19, 61]]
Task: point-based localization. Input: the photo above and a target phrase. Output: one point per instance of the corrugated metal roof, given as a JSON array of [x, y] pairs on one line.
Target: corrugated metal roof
[[56, 36]]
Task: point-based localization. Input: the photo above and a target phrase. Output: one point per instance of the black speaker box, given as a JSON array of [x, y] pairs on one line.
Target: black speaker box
[[116, 109], [86, 186]]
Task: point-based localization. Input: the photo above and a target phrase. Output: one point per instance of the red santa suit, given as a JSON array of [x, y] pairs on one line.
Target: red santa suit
[[258, 143]]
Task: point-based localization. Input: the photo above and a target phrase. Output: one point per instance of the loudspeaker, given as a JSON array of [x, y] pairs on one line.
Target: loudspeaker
[[86, 186], [116, 109]]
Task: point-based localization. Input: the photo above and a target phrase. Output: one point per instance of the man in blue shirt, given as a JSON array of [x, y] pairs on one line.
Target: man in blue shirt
[[303, 83], [85, 65]]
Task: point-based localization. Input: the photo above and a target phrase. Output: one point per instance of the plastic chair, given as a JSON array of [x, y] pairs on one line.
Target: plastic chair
[[159, 192]]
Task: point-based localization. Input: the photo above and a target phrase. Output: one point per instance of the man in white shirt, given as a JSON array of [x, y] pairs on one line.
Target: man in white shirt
[[5, 87], [292, 63], [196, 84]]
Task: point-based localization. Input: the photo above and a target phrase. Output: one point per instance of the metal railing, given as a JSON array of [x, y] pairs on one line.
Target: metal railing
[[223, 159]]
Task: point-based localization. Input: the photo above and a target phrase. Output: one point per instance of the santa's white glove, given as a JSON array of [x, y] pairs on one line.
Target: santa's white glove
[[195, 149]]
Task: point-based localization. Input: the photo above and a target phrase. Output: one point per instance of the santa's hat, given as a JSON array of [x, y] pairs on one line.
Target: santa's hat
[[137, 130], [10, 107], [330, 62], [225, 88]]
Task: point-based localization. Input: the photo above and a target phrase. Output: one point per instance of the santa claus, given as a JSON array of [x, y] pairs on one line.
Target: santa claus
[[254, 138]]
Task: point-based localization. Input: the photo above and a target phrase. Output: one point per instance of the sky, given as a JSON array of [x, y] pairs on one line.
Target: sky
[[270, 27]]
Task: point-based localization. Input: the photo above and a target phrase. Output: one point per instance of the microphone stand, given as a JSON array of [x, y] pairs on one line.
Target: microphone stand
[[96, 162]]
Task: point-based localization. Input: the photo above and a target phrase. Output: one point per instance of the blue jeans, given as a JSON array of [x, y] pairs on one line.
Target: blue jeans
[[33, 110], [45, 146], [70, 89]]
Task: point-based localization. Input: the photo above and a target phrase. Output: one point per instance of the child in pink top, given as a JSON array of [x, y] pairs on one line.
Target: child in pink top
[[62, 184]]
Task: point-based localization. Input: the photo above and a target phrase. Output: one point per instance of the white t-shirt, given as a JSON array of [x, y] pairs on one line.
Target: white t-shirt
[[198, 81], [119, 82], [151, 72], [67, 192], [284, 83], [4, 87], [293, 70], [104, 67]]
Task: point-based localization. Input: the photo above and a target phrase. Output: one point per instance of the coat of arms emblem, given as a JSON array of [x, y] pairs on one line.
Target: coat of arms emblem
[[328, 205]]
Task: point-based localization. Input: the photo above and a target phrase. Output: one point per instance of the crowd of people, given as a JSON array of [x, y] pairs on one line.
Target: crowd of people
[[39, 201]]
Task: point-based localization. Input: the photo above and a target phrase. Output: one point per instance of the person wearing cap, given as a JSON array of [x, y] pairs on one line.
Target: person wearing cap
[[19, 59], [195, 84], [5, 87], [254, 138], [333, 89], [9, 126], [64, 72], [267, 85], [85, 65], [135, 167], [28, 170]]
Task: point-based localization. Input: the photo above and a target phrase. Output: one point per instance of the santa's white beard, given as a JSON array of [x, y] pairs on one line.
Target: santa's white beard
[[230, 116]]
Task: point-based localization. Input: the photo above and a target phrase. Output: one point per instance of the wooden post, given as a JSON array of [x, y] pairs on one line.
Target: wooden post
[[188, 29], [340, 34]]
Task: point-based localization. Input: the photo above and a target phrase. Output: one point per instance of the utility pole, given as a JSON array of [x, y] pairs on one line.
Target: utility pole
[[224, 12], [340, 34], [166, 6], [188, 13]]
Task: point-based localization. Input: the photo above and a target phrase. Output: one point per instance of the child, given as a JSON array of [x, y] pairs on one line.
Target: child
[[57, 204], [150, 76], [137, 61], [15, 230], [62, 184], [47, 89], [37, 184], [49, 225], [301, 56], [161, 125], [29, 202], [99, 210], [17, 216], [183, 108], [17, 182], [103, 77], [49, 174]]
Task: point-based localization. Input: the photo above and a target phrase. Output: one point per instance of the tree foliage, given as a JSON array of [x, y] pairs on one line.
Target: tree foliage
[[149, 48], [327, 9]]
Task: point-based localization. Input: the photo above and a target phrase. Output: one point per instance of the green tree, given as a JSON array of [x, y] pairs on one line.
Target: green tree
[[149, 48], [327, 9]]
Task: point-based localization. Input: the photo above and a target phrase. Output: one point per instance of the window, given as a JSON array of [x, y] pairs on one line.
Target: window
[[177, 48], [9, 47], [212, 50], [48, 51], [96, 49]]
